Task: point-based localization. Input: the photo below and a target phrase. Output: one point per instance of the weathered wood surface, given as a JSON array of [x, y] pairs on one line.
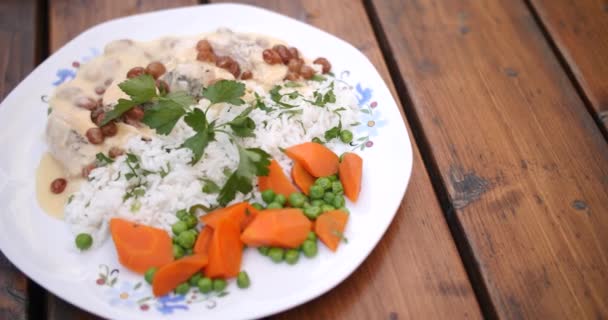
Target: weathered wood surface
[[415, 272], [520, 159], [579, 29], [19, 54]]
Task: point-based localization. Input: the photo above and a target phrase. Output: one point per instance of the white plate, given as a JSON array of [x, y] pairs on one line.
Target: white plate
[[42, 247]]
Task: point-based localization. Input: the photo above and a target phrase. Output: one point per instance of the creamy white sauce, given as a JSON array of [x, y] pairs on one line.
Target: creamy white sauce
[[68, 123]]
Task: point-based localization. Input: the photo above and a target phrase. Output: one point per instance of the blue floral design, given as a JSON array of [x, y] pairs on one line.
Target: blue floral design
[[168, 303], [363, 94], [66, 74], [371, 121]]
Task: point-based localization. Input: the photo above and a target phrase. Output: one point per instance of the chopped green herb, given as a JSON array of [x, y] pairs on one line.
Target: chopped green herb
[[318, 77], [210, 186], [103, 160], [204, 134], [242, 125], [292, 84], [163, 116]]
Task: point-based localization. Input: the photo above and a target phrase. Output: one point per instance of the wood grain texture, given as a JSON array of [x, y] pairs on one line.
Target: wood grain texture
[[521, 160], [415, 271], [68, 18], [18, 56], [579, 29]]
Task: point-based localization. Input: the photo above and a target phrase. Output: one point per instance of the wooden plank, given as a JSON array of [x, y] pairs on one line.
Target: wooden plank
[[67, 19], [579, 29], [70, 17], [415, 272], [520, 159], [19, 55]]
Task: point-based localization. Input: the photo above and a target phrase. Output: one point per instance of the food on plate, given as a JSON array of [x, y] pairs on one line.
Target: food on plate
[[187, 149]]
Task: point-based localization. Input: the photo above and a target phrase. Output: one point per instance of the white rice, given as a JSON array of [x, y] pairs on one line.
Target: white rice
[[101, 198]]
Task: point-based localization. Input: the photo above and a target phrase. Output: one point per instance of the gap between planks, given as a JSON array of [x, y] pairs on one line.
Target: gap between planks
[[464, 249], [567, 68]]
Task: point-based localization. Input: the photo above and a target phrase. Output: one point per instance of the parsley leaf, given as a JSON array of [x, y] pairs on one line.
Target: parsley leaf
[[242, 125], [332, 133], [204, 134], [140, 89], [252, 162], [121, 107], [225, 91], [180, 97], [164, 115]]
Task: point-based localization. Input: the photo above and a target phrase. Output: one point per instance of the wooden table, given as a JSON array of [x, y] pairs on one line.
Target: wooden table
[[506, 214]]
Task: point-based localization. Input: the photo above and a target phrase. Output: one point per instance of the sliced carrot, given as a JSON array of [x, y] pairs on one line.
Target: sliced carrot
[[201, 246], [250, 214], [171, 275], [329, 227], [240, 213], [316, 158], [276, 180], [140, 247], [225, 251], [350, 171], [286, 228], [301, 177]]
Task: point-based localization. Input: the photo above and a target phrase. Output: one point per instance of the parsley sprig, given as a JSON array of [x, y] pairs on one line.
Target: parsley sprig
[[165, 111], [142, 90]]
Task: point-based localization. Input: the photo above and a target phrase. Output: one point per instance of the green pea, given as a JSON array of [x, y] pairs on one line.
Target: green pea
[[274, 205], [280, 199], [306, 205], [341, 157], [292, 256], [345, 209], [297, 200], [312, 212], [316, 192], [83, 241], [336, 187], [338, 202], [242, 280], [268, 196], [326, 207], [333, 178], [205, 285], [181, 213], [309, 248], [257, 206], [186, 239], [263, 250], [317, 203], [190, 220], [178, 251], [179, 227], [149, 275], [346, 136], [329, 197], [311, 236], [219, 285], [323, 183], [276, 254], [195, 278], [182, 288]]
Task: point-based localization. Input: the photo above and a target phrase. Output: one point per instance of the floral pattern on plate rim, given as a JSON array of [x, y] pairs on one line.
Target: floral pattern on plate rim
[[127, 294], [124, 293]]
